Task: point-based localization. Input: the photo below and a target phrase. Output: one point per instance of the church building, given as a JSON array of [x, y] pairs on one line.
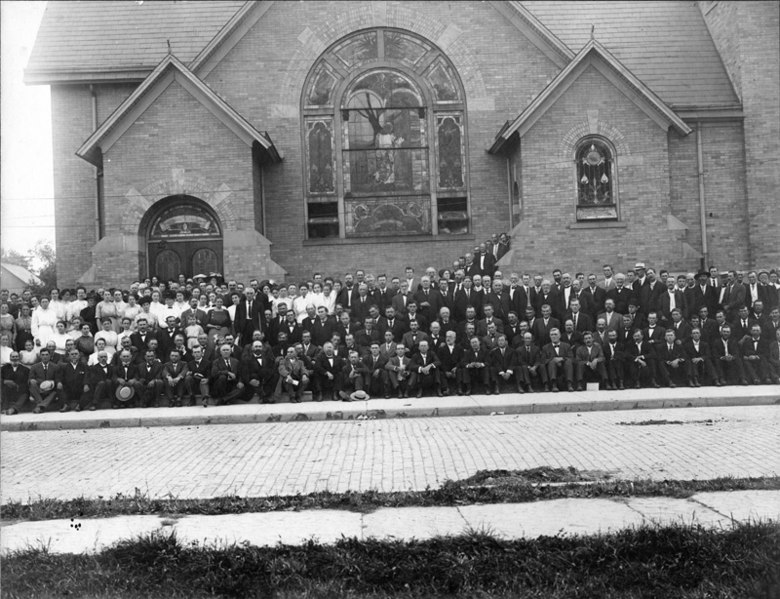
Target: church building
[[275, 139]]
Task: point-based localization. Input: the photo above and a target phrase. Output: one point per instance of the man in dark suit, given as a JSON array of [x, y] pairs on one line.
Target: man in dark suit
[[361, 304], [697, 352], [485, 262], [174, 372], [774, 356], [589, 362], [141, 337], [258, 374], [291, 328], [581, 320], [640, 359], [247, 318], [727, 360], [667, 301], [412, 338], [425, 368], [125, 372], [322, 329], [450, 355], [542, 326], [498, 299], [150, 379], [754, 290], [200, 315], [366, 336], [696, 296], [15, 382], [517, 297], [546, 297], [742, 325], [400, 300], [197, 379], [475, 367], [464, 298], [504, 368], [226, 384], [558, 359], [755, 357], [482, 325], [72, 383], [530, 367], [293, 375], [42, 371], [428, 299], [615, 360], [597, 295], [682, 330], [376, 383], [327, 374], [620, 294], [654, 334], [412, 314], [167, 336], [733, 296], [391, 322], [398, 371], [672, 362]]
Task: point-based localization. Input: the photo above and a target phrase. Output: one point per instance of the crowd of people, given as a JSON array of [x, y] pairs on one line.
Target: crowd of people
[[465, 329]]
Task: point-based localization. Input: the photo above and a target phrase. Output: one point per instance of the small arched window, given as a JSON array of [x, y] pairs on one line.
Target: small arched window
[[596, 180]]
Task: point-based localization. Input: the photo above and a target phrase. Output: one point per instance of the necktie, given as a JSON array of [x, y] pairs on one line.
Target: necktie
[[575, 322], [670, 349], [227, 363]]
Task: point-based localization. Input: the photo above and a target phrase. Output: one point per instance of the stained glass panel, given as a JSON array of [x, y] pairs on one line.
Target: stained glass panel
[[450, 146], [443, 80], [388, 216], [321, 86], [184, 221], [358, 48], [319, 141], [399, 46], [595, 197]]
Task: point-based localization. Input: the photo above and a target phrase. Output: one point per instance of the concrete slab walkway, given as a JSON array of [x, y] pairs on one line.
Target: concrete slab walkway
[[474, 405], [507, 521]]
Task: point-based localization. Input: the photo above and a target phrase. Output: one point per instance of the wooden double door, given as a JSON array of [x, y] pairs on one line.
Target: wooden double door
[[169, 259]]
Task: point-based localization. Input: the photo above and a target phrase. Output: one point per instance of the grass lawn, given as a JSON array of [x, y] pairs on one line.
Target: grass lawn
[[669, 562], [495, 486]]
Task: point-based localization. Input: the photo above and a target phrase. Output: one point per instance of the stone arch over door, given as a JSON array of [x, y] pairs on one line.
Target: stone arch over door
[[182, 235]]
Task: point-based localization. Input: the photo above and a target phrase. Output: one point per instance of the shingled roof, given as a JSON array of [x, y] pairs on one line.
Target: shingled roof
[[665, 44], [121, 39]]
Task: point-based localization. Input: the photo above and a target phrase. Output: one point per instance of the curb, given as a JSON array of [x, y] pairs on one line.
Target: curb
[[475, 405]]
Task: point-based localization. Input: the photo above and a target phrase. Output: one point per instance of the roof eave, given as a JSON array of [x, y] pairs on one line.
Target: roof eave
[[538, 103]]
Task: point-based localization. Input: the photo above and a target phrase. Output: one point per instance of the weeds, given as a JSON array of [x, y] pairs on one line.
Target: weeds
[[489, 486], [676, 561]]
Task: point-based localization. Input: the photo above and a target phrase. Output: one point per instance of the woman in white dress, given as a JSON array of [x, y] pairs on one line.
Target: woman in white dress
[[329, 298], [301, 302], [316, 295], [120, 305], [132, 309], [110, 336], [60, 338], [44, 321]]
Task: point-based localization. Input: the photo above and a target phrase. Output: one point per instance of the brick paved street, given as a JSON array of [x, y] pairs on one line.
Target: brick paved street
[[399, 454]]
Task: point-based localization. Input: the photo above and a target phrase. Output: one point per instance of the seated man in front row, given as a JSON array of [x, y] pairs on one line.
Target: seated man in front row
[[353, 376], [503, 367], [558, 358], [531, 369], [590, 363], [425, 368], [225, 382], [398, 370]]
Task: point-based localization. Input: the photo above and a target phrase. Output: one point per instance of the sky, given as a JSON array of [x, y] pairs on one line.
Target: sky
[[26, 187]]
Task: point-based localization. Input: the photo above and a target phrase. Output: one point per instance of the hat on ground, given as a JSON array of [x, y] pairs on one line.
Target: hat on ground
[[359, 396], [47, 385], [125, 393], [639, 266]]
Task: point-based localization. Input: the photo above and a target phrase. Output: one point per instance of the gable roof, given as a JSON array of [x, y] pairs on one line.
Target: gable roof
[[666, 44], [169, 70], [16, 277], [593, 54], [121, 39]]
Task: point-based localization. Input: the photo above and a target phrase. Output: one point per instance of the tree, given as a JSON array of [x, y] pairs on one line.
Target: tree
[[41, 261], [14, 257]]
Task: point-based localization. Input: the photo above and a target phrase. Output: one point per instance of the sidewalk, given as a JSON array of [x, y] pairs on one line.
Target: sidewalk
[[508, 521], [474, 405]]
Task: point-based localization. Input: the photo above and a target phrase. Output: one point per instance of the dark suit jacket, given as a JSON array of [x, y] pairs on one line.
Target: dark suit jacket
[[506, 361], [132, 372], [203, 369], [541, 332], [20, 377], [597, 298], [718, 351], [252, 369], [582, 354], [747, 348], [584, 322], [461, 302], [620, 297], [618, 353], [176, 370], [470, 356], [528, 358], [734, 298], [218, 367], [150, 372], [632, 352], [682, 332], [141, 345], [695, 299], [450, 358], [664, 355], [322, 331], [37, 372], [70, 377], [200, 317], [551, 299], [399, 301], [419, 361], [486, 266], [482, 326], [398, 328], [548, 352], [690, 349], [664, 305]]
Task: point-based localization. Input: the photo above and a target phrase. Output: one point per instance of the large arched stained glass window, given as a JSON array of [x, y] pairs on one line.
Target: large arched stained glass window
[[384, 140], [596, 173]]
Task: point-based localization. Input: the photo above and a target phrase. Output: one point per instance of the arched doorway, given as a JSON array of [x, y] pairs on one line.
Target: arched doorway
[[183, 236]]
